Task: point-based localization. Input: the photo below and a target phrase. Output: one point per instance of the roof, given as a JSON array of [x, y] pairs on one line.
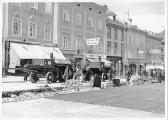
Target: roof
[[116, 22]]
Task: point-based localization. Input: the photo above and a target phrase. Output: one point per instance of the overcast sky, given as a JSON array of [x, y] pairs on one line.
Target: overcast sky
[[146, 14]]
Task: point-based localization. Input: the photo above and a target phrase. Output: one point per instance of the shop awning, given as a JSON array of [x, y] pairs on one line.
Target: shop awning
[[93, 60], [27, 51], [106, 63], [62, 61]]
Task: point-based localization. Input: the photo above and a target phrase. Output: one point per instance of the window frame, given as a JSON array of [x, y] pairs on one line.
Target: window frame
[[33, 5], [90, 22], [48, 8], [79, 15], [115, 34], [109, 48], [100, 24], [108, 32], [65, 41], [18, 19], [32, 22], [49, 35], [115, 48], [66, 15]]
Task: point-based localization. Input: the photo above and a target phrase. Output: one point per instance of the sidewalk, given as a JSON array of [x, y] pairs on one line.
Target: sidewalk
[[15, 83]]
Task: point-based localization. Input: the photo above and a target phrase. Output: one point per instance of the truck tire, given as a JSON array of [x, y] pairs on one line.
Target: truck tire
[[49, 77], [33, 77]]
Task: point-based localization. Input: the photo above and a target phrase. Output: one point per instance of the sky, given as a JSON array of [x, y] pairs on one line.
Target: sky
[[146, 14]]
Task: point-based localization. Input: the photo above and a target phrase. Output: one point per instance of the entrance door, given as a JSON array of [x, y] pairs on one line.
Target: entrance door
[[132, 68]]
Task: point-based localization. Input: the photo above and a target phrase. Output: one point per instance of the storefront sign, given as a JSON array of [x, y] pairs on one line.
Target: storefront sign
[[93, 41]]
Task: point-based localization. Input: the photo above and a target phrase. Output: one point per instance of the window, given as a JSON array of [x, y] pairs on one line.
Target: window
[[122, 49], [115, 48], [34, 5], [66, 15], [129, 42], [78, 4], [65, 41], [109, 47], [47, 33], [115, 34], [100, 48], [32, 30], [122, 35], [16, 27], [100, 24], [90, 22], [108, 32], [79, 42], [48, 7], [78, 18]]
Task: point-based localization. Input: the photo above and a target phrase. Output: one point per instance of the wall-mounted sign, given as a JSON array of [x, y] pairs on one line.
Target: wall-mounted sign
[[93, 41]]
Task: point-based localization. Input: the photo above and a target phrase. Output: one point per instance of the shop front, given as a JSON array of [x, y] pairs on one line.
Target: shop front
[[20, 54], [117, 64], [136, 66]]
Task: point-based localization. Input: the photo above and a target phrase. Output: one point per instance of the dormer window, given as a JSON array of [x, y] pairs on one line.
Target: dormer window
[[78, 5], [90, 9]]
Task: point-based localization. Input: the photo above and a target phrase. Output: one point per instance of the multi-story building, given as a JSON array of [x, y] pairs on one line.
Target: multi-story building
[[153, 49], [162, 35], [26, 23], [135, 45], [115, 45], [74, 23]]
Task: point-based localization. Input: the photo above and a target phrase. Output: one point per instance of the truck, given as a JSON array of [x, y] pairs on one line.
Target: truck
[[51, 70]]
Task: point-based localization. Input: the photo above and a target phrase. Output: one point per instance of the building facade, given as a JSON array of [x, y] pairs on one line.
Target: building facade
[[153, 49], [74, 23], [135, 45], [26, 23], [115, 44]]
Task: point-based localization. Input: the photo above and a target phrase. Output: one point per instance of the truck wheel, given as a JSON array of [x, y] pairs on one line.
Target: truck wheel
[[33, 77], [49, 77]]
